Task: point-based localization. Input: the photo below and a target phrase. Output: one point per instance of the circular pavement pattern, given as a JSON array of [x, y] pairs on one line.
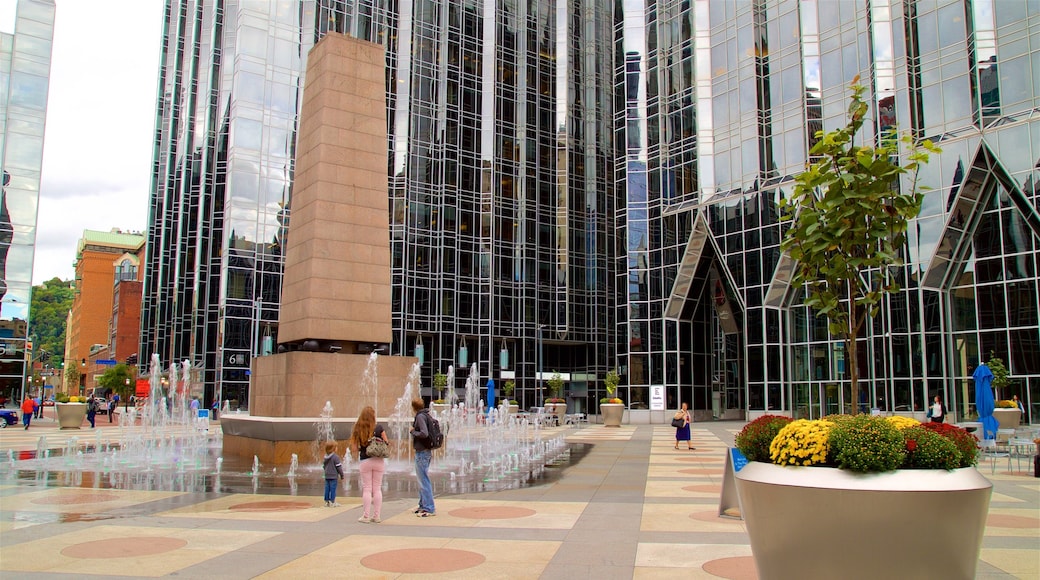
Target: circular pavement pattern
[[422, 560], [1003, 521], [492, 513], [123, 547], [709, 488], [270, 506], [713, 517], [701, 471], [737, 568], [75, 498]]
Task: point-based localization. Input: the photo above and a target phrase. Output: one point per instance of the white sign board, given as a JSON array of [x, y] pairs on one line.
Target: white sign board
[[657, 398]]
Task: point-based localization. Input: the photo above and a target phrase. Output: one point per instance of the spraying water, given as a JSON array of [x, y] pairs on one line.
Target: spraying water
[[369, 385]]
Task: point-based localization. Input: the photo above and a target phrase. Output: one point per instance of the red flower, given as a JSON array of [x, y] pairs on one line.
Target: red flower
[[911, 445]]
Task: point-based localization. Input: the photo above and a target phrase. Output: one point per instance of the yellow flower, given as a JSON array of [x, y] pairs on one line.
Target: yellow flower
[[900, 422]]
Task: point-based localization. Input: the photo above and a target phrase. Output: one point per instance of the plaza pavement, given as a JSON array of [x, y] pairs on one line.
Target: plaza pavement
[[632, 507]]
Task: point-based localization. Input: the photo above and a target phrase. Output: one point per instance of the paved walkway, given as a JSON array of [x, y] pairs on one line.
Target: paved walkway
[[633, 507]]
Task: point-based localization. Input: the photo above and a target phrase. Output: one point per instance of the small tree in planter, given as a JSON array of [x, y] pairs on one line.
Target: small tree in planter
[[508, 389], [440, 381], [555, 388], [610, 382], [848, 226], [1001, 374]]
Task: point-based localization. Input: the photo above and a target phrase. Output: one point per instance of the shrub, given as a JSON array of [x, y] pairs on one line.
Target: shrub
[[927, 449], [1006, 405], [62, 398], [900, 422], [966, 443], [754, 439], [802, 442], [867, 444]]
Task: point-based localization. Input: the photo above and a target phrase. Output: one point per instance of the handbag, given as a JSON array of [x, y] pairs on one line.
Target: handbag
[[678, 422], [376, 447]]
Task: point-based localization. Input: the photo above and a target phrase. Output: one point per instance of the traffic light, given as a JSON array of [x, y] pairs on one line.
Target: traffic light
[[132, 359]]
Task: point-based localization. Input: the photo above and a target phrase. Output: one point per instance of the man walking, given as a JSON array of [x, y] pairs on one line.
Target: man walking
[[28, 408], [423, 453]]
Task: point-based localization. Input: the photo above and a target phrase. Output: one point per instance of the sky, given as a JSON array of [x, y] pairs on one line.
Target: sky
[[97, 152]]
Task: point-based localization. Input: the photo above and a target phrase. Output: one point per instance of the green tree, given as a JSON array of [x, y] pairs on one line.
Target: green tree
[[51, 302], [119, 379], [848, 224], [440, 382], [556, 385], [72, 379]]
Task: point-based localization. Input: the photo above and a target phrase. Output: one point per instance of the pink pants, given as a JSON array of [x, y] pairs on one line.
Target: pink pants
[[372, 470]]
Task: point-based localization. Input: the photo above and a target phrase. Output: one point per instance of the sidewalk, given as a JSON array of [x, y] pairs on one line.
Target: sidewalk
[[633, 507]]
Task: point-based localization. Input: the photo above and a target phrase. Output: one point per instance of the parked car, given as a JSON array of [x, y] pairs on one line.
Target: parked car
[[7, 417]]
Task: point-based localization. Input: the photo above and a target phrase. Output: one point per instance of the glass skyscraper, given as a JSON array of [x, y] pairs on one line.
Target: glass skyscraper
[[25, 65], [582, 185]]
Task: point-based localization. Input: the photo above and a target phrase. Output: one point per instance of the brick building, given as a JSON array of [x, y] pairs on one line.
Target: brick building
[[104, 323]]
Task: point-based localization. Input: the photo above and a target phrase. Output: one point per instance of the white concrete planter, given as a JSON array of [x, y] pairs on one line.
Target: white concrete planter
[[821, 522], [1007, 418], [70, 415], [612, 414]]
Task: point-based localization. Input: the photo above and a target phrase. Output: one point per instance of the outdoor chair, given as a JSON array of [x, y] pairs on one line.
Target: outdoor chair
[[988, 449]]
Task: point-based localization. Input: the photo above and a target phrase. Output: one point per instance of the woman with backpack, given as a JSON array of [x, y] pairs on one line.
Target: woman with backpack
[[368, 440]]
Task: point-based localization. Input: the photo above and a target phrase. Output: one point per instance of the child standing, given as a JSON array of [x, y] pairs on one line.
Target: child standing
[[333, 473]]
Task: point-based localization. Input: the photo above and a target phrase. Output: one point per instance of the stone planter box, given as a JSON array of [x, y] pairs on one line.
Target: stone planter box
[[820, 522], [558, 409], [70, 415], [612, 414], [1007, 418]]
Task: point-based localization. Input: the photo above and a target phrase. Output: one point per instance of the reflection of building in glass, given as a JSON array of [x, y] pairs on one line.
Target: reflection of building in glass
[[25, 62], [618, 184]]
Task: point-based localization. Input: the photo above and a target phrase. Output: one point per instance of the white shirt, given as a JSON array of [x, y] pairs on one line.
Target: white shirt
[[937, 410]]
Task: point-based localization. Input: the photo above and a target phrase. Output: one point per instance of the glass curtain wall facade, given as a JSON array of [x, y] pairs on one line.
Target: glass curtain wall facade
[[500, 182], [559, 203], [25, 64], [762, 77]]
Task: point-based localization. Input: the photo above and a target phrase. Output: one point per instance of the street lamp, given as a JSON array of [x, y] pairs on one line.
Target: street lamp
[[126, 395]]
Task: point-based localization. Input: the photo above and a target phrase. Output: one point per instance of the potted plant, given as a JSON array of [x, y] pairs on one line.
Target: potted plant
[[70, 412], [555, 405], [1007, 414], [878, 476], [610, 407], [507, 390], [440, 382]]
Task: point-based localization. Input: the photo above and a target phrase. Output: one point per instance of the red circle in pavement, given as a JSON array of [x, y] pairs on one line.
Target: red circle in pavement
[[737, 568], [75, 498], [701, 471], [422, 560], [123, 547], [1003, 521], [710, 488], [492, 513], [698, 459], [270, 506]]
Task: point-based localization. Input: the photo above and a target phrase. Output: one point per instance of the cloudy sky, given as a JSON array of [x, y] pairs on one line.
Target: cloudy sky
[[100, 121]]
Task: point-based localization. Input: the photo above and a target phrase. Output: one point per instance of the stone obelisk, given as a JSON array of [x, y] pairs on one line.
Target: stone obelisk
[[336, 292]]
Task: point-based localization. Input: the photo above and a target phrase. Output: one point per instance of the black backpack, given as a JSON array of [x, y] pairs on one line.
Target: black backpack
[[436, 436]]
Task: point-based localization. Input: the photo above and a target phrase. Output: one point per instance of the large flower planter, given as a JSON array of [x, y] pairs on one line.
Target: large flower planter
[[1007, 418], [819, 522], [70, 415], [612, 414]]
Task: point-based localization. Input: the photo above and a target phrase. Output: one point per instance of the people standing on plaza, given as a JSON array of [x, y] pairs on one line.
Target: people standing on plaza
[[423, 455], [937, 412], [371, 468], [28, 408], [92, 408], [194, 406], [683, 433], [112, 408], [1021, 409], [333, 473], [39, 407]]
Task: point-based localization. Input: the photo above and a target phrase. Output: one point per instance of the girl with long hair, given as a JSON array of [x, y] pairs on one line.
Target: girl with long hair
[[372, 468]]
